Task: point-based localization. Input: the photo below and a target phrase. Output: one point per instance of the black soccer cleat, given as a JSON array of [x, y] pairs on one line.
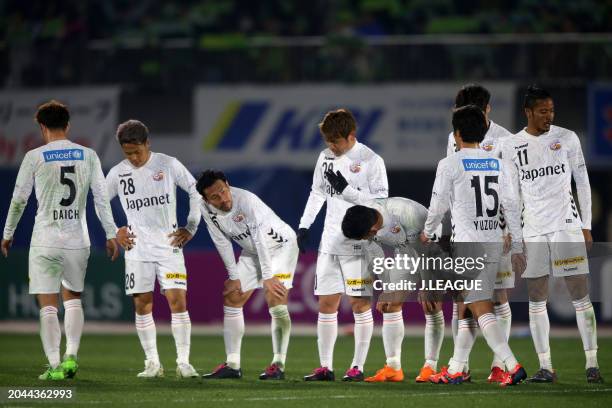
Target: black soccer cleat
[[321, 374], [273, 372], [223, 371], [353, 374], [594, 376], [543, 376]]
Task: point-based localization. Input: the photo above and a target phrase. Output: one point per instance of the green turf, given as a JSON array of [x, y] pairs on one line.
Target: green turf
[[109, 364]]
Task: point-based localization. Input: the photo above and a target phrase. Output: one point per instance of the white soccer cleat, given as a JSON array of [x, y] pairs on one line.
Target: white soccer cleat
[[186, 370], [152, 370]]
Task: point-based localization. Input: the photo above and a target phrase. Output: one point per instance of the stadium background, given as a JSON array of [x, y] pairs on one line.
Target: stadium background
[[241, 86]]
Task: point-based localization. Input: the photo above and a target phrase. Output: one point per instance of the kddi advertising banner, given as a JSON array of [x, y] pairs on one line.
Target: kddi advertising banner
[[407, 124], [93, 119]]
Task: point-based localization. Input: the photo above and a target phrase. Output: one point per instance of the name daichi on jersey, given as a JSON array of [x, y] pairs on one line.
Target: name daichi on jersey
[[138, 203]]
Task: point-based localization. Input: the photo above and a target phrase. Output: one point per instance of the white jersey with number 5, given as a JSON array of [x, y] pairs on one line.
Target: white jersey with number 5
[[473, 183], [546, 164], [367, 179], [148, 198], [61, 172]]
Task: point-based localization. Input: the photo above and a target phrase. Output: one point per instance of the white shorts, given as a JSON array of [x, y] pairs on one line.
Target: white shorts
[[284, 261], [140, 275], [487, 281], [349, 274], [505, 274], [51, 267], [562, 252]]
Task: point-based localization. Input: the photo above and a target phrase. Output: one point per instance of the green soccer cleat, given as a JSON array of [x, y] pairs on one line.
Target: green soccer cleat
[[70, 366], [53, 374]]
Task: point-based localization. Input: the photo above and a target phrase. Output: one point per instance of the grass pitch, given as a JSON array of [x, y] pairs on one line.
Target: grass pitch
[[109, 364]]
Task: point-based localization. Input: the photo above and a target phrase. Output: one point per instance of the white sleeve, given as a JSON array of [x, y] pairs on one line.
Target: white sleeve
[[316, 199], [510, 200], [581, 177], [223, 245], [451, 146], [256, 215], [21, 194], [100, 196], [112, 183], [440, 199], [185, 181], [377, 183]]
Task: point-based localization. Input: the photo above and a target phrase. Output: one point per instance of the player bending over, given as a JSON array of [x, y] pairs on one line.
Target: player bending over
[[145, 183], [268, 259], [61, 172], [472, 183]]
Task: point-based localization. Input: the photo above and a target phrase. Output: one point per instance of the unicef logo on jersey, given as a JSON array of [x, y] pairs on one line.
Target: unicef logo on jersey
[[480, 164], [63, 155]]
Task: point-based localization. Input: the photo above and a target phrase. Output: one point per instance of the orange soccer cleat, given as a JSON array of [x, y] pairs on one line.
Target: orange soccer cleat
[[387, 374], [425, 373], [497, 375]]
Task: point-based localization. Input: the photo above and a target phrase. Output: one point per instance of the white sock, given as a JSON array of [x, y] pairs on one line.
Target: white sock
[[393, 335], [181, 331], [327, 332], [455, 322], [466, 336], [496, 340], [504, 319], [145, 327], [540, 329], [281, 330], [585, 317], [50, 334], [364, 326], [434, 334], [233, 330], [73, 325]]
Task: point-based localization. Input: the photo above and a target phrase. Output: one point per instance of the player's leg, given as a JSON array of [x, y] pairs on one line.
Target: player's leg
[[44, 283], [284, 262], [503, 313], [434, 335], [393, 336], [233, 319], [139, 283], [364, 326], [73, 283], [329, 286]]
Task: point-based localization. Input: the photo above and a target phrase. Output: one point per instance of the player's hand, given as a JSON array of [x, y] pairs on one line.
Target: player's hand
[[232, 285], [180, 237], [302, 239], [507, 243], [125, 238], [382, 307], [336, 180], [6, 244], [112, 250], [424, 238], [519, 263], [275, 287], [588, 239]]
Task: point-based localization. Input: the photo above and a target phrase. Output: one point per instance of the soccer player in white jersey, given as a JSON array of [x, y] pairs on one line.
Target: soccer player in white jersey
[[268, 260], [473, 183], [547, 157], [145, 183], [474, 94], [346, 173], [396, 223], [61, 172]]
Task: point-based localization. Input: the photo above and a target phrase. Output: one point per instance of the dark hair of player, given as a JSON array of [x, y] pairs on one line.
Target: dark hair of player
[[358, 221], [208, 178], [473, 94], [471, 123], [533, 95], [132, 132], [53, 115], [337, 124]]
